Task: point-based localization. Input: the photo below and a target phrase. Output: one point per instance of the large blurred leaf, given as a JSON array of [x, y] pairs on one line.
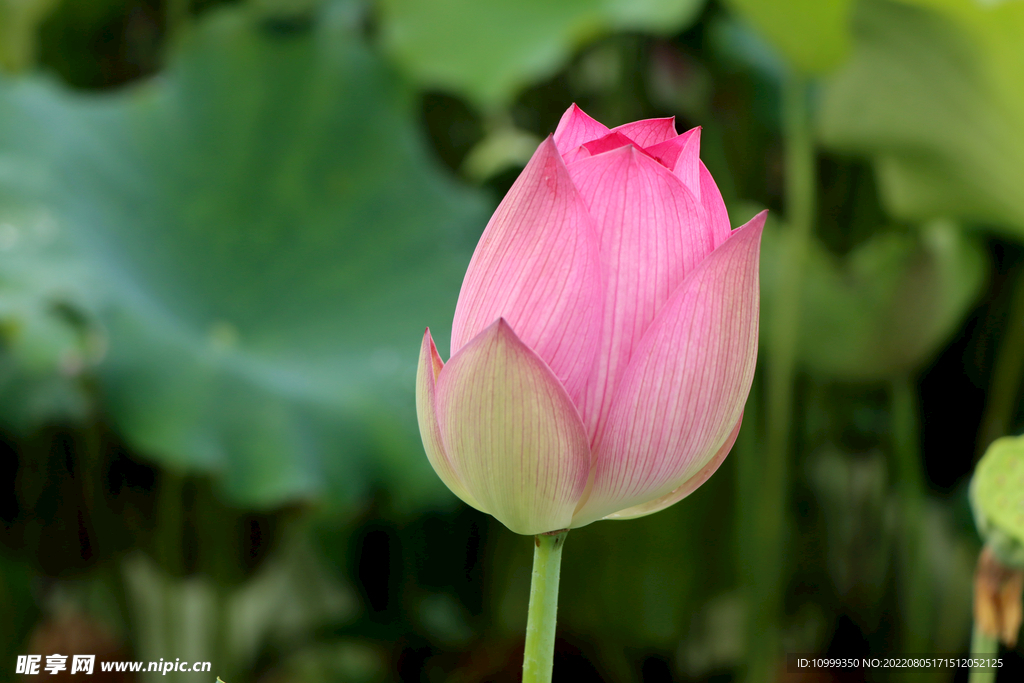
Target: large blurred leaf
[[489, 50], [814, 35], [883, 309], [938, 101], [45, 347], [268, 240]]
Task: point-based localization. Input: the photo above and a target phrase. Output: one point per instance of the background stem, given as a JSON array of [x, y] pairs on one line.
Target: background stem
[[170, 520], [982, 646], [1007, 373], [539, 654], [914, 576], [177, 16], [768, 523]]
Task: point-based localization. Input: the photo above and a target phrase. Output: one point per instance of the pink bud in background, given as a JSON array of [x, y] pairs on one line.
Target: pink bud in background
[[605, 338]]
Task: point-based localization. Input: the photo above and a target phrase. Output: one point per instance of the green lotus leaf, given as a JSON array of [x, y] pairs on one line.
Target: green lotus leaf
[[488, 51], [262, 238], [935, 98], [813, 35]]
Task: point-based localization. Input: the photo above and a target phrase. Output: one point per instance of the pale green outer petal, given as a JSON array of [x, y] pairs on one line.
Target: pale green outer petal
[[512, 433], [684, 489], [426, 411]]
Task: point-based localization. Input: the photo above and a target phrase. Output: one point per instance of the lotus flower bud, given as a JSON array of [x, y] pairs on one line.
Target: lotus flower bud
[[605, 337], [997, 499]]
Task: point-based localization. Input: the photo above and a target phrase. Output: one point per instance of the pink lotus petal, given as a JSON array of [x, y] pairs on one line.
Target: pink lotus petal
[[426, 411], [714, 206], [687, 168], [512, 432], [610, 142], [648, 131], [537, 265], [687, 487], [684, 153], [686, 384], [651, 233], [667, 153], [574, 129]]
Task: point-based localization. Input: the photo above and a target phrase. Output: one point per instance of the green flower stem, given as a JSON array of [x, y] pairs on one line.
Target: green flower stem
[[768, 524], [914, 574], [983, 646], [1007, 374], [540, 620]]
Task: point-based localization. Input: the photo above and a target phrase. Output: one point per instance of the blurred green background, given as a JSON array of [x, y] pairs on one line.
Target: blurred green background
[[224, 226]]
